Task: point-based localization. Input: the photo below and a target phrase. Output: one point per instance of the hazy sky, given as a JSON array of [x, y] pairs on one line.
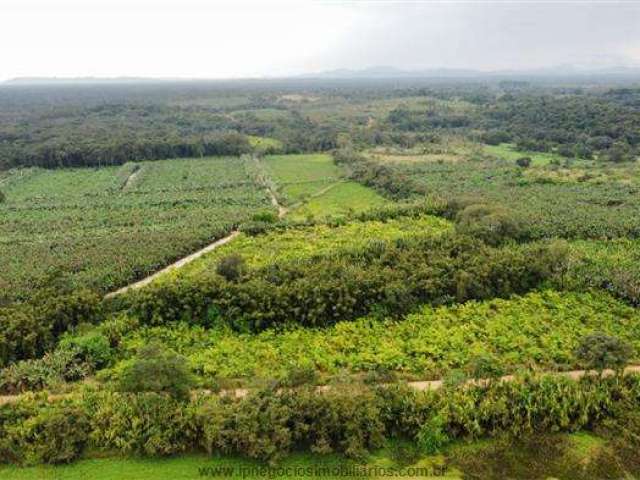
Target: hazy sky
[[200, 38]]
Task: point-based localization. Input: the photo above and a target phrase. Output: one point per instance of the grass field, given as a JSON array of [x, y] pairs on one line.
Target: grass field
[[340, 199], [312, 185], [507, 151], [563, 456], [100, 228]]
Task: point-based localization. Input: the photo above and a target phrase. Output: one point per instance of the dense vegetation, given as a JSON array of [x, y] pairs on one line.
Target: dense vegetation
[[388, 232], [101, 228], [114, 124]]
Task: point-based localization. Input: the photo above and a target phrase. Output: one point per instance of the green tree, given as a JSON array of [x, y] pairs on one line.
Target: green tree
[[157, 369], [599, 352], [491, 224], [231, 267]]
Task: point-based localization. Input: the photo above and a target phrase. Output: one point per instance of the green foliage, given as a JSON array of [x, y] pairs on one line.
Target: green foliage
[[546, 201], [40, 433], [599, 352], [324, 290], [431, 436], [53, 369], [540, 330], [157, 369], [30, 329], [231, 267], [349, 418], [493, 225], [485, 367], [110, 236], [268, 425], [92, 348], [144, 424], [300, 375]]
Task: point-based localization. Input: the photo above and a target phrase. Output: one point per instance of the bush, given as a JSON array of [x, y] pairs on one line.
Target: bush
[[52, 369], [432, 436], [157, 369], [493, 225], [56, 435], [143, 424], [31, 329], [231, 267], [599, 352], [3, 197], [92, 348], [269, 424], [485, 367], [300, 375], [53, 435]]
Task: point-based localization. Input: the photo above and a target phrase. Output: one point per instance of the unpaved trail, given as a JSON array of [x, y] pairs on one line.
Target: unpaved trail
[[131, 178], [175, 265], [419, 385], [317, 194], [282, 210]]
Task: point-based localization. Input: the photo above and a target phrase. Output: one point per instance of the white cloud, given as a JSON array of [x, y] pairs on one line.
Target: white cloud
[[199, 38]]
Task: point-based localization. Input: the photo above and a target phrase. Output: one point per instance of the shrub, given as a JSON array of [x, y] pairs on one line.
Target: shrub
[[493, 225], [485, 367], [300, 375], [34, 432], [265, 216], [326, 289], [599, 352], [157, 369], [3, 197], [31, 329], [231, 267], [52, 369], [52, 435], [92, 348], [268, 424], [432, 435], [143, 424]]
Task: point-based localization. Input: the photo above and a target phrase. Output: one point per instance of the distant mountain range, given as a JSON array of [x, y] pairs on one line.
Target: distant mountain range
[[392, 72], [378, 72]]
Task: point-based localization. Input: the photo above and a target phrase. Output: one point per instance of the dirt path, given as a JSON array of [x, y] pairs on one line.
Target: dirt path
[[175, 265], [282, 211], [317, 194], [419, 385], [130, 179]]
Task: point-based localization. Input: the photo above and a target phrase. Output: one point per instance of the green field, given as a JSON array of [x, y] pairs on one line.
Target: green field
[[100, 228], [507, 151], [561, 456], [342, 199], [546, 206], [314, 187]]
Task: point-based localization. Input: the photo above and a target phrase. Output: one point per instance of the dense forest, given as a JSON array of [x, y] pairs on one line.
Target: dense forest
[[113, 124]]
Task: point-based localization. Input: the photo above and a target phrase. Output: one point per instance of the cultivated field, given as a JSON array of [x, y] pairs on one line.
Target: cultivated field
[[381, 235]]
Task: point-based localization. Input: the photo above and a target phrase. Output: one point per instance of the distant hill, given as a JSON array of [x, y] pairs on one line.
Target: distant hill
[[556, 71], [83, 80], [376, 72]]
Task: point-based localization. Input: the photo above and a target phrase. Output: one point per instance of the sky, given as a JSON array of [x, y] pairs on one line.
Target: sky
[[242, 38]]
